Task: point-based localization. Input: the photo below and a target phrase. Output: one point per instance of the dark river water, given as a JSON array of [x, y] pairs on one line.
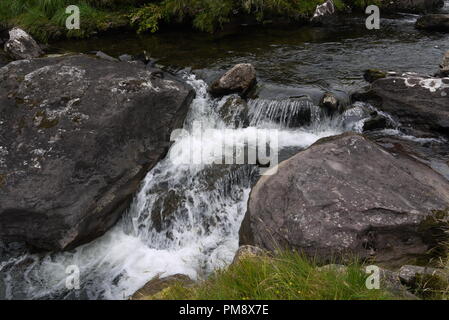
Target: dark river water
[[329, 56]]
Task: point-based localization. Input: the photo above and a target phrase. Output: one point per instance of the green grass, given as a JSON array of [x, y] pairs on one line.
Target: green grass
[[45, 19], [287, 275]]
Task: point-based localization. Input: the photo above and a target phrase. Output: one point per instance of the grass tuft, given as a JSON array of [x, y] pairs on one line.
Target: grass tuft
[[288, 275]]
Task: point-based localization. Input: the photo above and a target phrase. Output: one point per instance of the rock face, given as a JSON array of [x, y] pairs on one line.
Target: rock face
[[77, 135], [420, 103], [239, 79], [347, 195], [21, 45], [435, 22]]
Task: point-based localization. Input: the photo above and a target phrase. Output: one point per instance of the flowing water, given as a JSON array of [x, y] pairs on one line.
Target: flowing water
[[186, 216]]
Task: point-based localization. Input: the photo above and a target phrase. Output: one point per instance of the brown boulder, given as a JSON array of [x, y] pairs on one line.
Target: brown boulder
[[347, 196]]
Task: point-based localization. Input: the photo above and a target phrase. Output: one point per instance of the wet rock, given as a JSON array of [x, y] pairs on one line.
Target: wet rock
[[125, 58], [376, 122], [234, 112], [248, 251], [157, 284], [329, 102], [323, 10], [433, 22], [417, 102], [372, 75], [78, 134], [21, 45], [239, 79], [104, 56], [346, 195]]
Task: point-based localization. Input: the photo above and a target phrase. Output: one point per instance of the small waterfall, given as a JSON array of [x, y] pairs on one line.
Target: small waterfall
[[186, 216], [286, 112]]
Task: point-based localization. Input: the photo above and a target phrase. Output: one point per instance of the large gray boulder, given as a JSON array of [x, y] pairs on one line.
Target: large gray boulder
[[21, 45], [435, 22], [77, 135], [419, 103], [346, 196]]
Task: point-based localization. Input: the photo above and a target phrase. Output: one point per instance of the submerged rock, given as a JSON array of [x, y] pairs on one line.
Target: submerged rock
[[329, 102], [372, 75], [21, 45], [125, 58], [105, 56], [78, 134], [434, 22], [346, 196], [420, 103], [239, 79], [234, 112], [376, 122]]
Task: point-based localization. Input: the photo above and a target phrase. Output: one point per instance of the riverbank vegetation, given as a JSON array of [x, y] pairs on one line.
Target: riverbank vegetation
[[287, 275], [45, 19]]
